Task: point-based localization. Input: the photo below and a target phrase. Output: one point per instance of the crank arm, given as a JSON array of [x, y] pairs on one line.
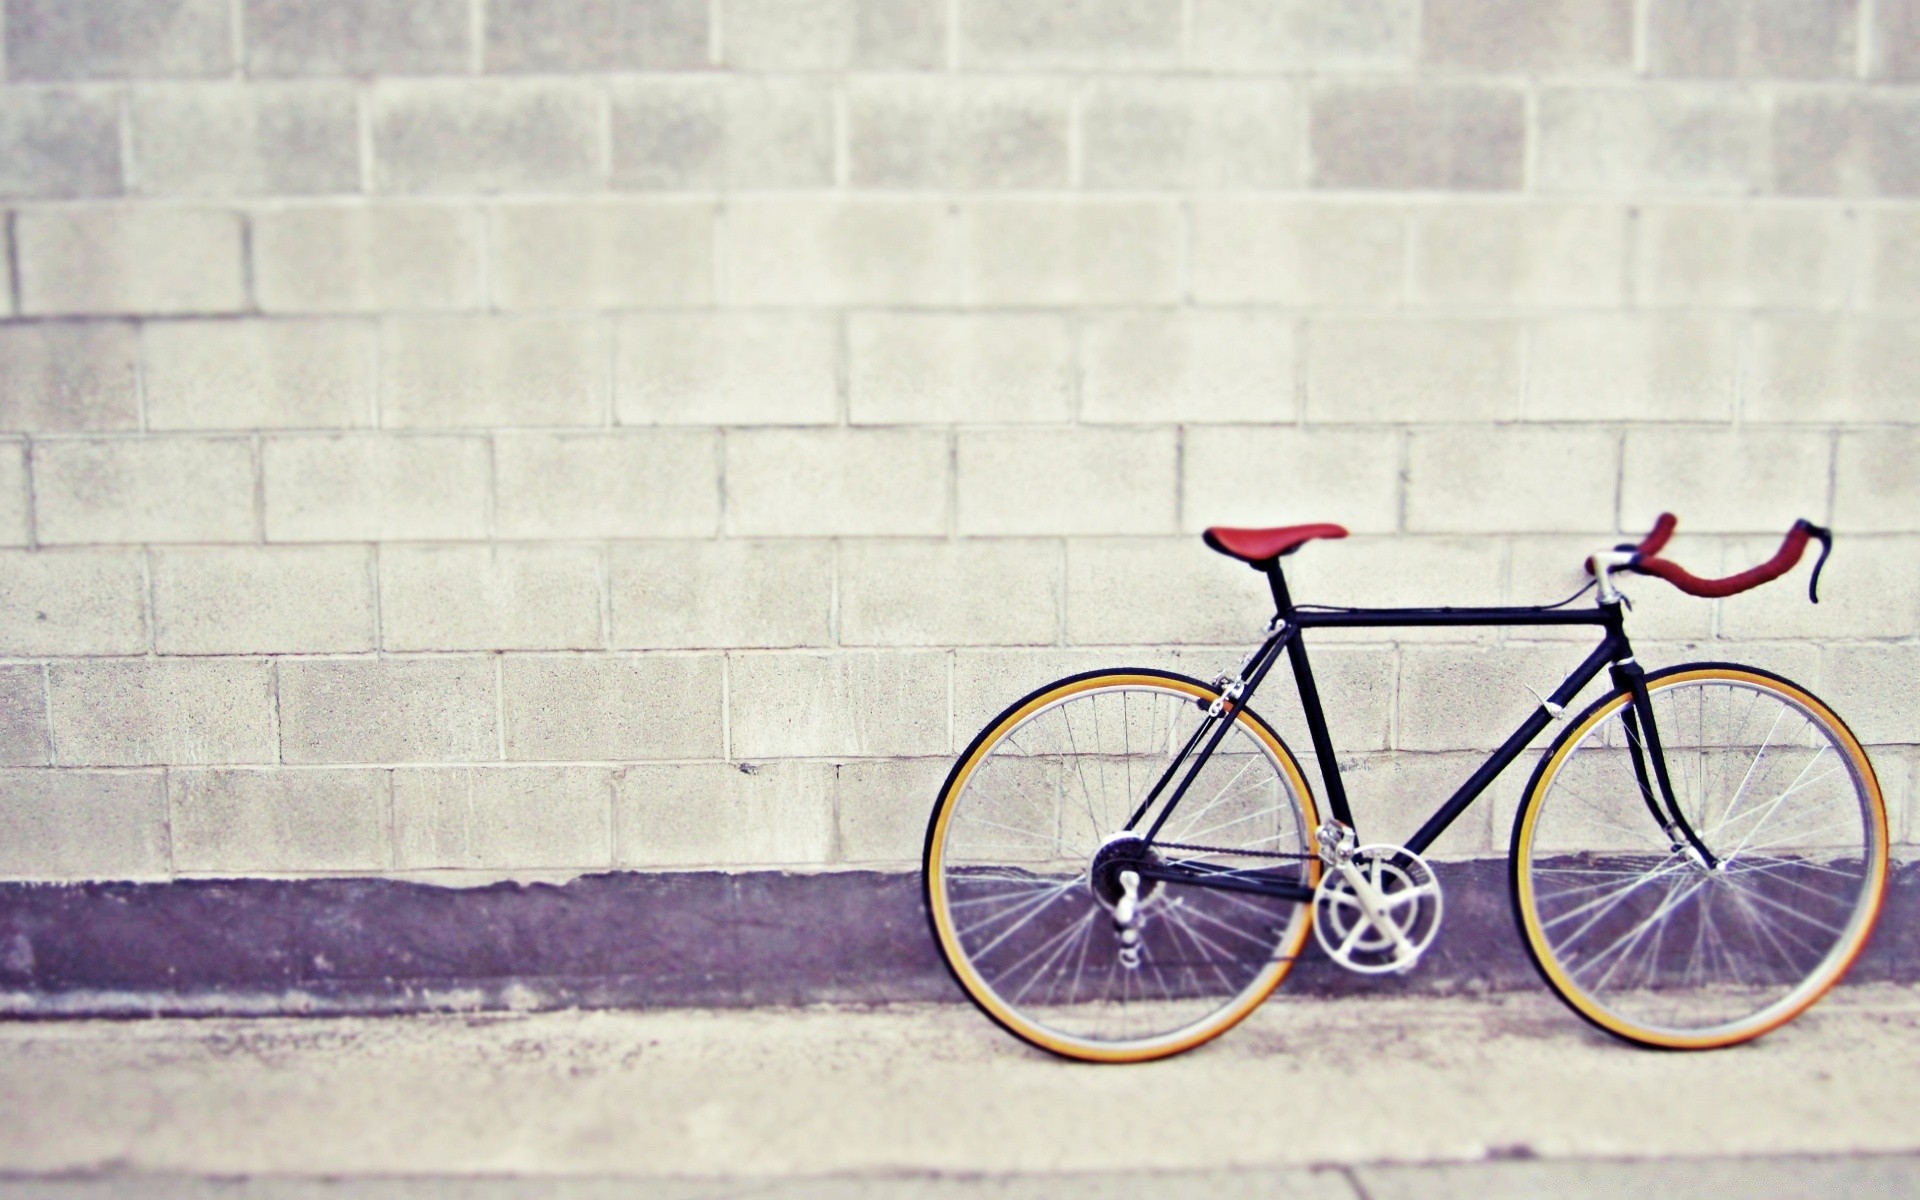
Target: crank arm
[[1374, 907]]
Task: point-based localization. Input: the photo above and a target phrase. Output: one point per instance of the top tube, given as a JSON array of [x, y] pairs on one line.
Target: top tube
[[1374, 618]]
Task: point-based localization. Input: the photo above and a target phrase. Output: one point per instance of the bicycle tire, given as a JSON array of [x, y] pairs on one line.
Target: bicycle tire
[[1209, 957], [1633, 929]]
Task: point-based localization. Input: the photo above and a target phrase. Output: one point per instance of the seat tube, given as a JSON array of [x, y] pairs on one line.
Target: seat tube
[[1317, 731], [1310, 700]]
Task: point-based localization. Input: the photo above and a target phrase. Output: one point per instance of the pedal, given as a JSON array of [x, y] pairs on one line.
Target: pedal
[[1377, 908]]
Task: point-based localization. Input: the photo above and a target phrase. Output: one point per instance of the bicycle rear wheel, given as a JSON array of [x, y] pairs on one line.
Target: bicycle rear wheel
[[1632, 928], [1016, 901]]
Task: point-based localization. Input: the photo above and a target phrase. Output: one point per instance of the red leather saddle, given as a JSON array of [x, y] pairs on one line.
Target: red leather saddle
[[1262, 546]]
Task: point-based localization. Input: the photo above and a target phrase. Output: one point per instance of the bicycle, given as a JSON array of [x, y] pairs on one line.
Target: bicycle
[[1124, 863]]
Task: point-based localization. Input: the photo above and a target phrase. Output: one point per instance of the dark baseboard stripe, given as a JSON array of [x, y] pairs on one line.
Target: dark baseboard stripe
[[694, 939]]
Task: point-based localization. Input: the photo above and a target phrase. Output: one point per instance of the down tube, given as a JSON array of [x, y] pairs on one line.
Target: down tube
[[1614, 645]]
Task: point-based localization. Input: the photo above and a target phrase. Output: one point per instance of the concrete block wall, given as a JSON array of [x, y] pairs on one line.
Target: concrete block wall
[[462, 438]]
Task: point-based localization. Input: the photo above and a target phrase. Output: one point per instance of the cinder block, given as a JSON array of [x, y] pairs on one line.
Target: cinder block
[[620, 254], [218, 139], [443, 135], [374, 488], [1895, 38], [881, 808], [503, 818], [495, 597], [1190, 133], [72, 602], [91, 825], [782, 35], [1875, 489], [730, 815], [950, 593], [1619, 367], [357, 37], [1872, 688], [174, 489], [1833, 369], [1473, 698], [1280, 252], [1191, 365], [474, 372], [1891, 271], [117, 39], [712, 368], [985, 682], [257, 374], [1899, 773], [839, 252], [279, 821], [1356, 685], [1102, 34], [1870, 588], [1649, 138], [1413, 370], [931, 131], [621, 708], [1393, 795], [57, 143], [1572, 255], [1511, 480], [378, 258], [1274, 476], [722, 132], [24, 738], [939, 368], [1048, 252], [1258, 35], [1158, 592], [1549, 568], [60, 377], [721, 594], [1398, 572], [1415, 136], [1804, 39], [1066, 481], [161, 711], [263, 600], [94, 261], [1721, 257], [595, 35], [1725, 481], [388, 710], [1846, 144], [15, 520], [1507, 36], [862, 704], [836, 482], [662, 483]]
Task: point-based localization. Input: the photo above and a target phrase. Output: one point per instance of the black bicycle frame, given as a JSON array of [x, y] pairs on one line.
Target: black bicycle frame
[[1290, 622]]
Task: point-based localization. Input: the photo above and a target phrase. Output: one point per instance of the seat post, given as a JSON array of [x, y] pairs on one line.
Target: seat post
[[1282, 599]]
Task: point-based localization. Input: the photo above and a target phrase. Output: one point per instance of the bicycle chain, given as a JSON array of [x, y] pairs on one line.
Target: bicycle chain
[[1239, 853]]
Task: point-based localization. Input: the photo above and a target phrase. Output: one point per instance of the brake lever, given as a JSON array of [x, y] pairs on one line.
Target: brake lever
[[1826, 547]]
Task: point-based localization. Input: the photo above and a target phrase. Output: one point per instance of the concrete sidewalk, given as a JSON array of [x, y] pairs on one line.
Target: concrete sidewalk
[[1342, 1098]]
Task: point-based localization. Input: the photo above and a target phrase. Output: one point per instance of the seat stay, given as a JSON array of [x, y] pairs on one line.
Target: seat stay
[[1263, 660]]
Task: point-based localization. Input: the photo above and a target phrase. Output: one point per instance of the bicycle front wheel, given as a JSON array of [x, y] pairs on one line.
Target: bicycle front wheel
[[1019, 870], [1639, 933]]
